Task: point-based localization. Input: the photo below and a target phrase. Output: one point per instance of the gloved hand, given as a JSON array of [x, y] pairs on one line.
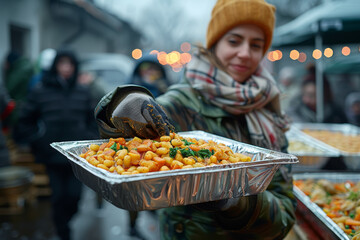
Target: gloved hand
[[137, 114]]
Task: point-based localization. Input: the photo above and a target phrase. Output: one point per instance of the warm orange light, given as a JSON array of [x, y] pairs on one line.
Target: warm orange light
[[185, 47], [136, 53], [328, 52], [173, 57], [317, 54], [185, 58], [294, 54], [279, 55], [270, 56], [345, 51], [154, 52], [162, 58], [302, 57]]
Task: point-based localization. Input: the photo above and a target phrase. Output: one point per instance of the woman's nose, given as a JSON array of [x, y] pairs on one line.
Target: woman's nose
[[244, 51]]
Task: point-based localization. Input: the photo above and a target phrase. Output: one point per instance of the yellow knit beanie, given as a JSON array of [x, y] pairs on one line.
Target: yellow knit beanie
[[227, 14]]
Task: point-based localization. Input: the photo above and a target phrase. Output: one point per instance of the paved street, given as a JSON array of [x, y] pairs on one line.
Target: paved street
[[90, 223]]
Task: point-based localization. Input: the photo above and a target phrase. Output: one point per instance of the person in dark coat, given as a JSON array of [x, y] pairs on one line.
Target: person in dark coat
[[7, 105], [149, 73], [58, 109]]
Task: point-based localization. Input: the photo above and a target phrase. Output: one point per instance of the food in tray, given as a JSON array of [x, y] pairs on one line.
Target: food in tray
[[339, 200], [339, 140], [296, 146], [166, 153]]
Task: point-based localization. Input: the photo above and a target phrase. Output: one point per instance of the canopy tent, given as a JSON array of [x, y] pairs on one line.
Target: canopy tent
[[344, 65], [333, 22]]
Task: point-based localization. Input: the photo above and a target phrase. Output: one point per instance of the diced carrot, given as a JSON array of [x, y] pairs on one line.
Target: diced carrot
[[194, 147], [350, 221], [109, 144], [160, 161], [331, 215], [103, 146]]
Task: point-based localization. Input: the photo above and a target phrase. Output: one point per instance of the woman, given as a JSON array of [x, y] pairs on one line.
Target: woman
[[224, 91], [58, 109]]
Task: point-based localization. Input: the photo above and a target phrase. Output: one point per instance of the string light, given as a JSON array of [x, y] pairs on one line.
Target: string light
[[136, 53], [328, 52], [294, 54], [345, 51], [317, 54]]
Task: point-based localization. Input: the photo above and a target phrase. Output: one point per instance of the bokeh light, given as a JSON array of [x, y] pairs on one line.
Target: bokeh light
[[162, 58], [136, 53], [173, 57], [185, 47], [279, 55], [270, 56], [302, 57], [317, 54], [294, 54], [185, 58], [154, 52], [345, 51], [328, 52]]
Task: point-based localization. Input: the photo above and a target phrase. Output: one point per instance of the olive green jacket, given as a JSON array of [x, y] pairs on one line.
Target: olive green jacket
[[268, 215]]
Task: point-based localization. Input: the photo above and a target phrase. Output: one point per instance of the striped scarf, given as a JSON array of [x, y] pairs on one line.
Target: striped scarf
[[257, 98]]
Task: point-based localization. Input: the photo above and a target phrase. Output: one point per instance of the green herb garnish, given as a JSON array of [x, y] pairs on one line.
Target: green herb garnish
[[186, 142], [113, 147]]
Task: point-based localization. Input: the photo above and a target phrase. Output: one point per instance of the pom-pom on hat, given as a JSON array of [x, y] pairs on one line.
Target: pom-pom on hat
[[227, 14]]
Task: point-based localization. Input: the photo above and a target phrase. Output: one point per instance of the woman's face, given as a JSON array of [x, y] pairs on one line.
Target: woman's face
[[309, 96], [240, 51], [65, 67]]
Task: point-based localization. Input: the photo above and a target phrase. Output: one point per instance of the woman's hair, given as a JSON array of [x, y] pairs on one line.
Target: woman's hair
[[211, 56]]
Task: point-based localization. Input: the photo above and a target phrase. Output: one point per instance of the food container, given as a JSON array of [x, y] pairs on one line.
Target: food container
[[154, 190], [312, 154], [343, 132], [315, 216]]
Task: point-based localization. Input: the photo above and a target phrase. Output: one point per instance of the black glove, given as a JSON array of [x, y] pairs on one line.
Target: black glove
[[137, 114]]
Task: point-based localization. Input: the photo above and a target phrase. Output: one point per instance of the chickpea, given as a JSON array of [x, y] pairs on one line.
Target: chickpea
[[127, 161], [94, 147], [165, 139]]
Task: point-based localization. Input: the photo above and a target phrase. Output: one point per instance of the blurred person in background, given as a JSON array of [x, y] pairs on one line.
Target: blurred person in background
[[7, 105], [92, 82], [304, 109], [45, 61], [17, 73], [289, 87], [148, 72], [58, 109], [225, 91], [352, 108]]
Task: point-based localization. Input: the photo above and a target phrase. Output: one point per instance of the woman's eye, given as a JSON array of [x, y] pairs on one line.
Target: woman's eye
[[257, 46], [233, 41]]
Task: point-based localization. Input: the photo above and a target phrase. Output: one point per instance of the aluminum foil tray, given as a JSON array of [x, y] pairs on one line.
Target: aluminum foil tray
[[316, 217], [312, 154], [154, 190], [351, 159]]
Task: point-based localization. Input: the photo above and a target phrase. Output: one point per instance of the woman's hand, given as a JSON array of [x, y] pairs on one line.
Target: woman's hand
[[137, 114]]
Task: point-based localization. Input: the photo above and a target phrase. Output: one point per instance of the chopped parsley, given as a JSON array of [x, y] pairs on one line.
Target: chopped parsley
[[187, 152]]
